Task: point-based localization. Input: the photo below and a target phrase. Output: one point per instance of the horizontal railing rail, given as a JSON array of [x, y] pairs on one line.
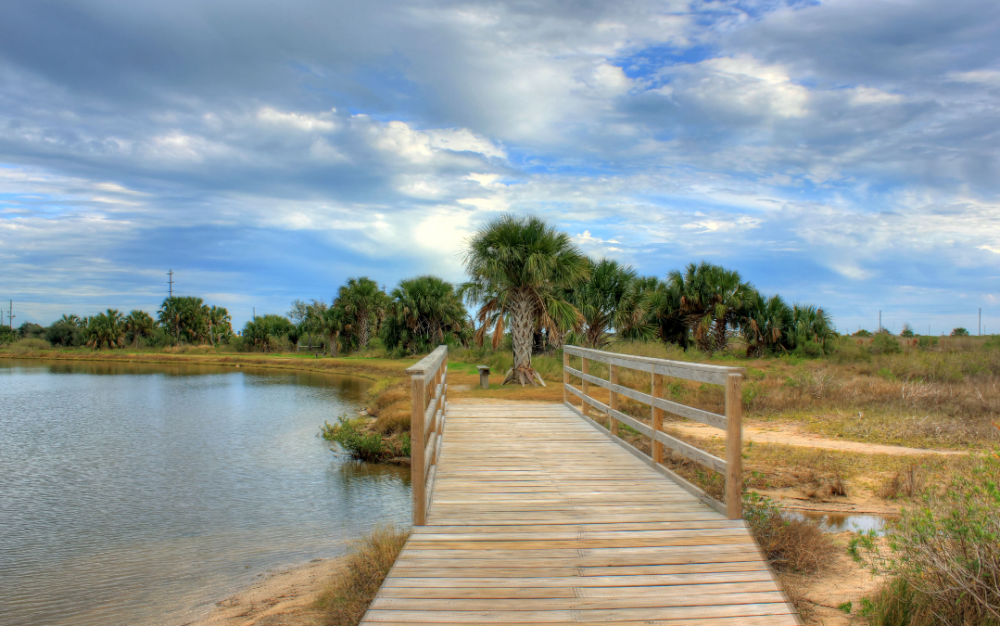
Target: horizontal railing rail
[[731, 422], [429, 403]]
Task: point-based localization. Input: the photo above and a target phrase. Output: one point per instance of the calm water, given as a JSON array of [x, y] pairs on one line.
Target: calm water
[[141, 494]]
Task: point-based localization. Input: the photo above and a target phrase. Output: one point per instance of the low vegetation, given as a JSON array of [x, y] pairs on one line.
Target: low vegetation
[[365, 567], [940, 563]]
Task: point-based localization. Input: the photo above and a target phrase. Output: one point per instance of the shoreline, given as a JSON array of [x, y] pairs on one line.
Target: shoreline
[[284, 597]]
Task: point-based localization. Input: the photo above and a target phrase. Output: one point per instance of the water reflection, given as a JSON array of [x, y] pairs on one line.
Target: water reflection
[[134, 493], [838, 523]]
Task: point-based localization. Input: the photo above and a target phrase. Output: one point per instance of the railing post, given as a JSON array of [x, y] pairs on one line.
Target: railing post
[[657, 418], [613, 402], [734, 446], [565, 376], [418, 474], [585, 386]]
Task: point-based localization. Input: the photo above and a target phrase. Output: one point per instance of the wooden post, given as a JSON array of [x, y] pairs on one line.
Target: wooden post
[[418, 474], [613, 402], [585, 368], [734, 446], [657, 418], [565, 376]]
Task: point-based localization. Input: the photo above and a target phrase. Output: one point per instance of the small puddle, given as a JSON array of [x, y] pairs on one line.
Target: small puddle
[[839, 522]]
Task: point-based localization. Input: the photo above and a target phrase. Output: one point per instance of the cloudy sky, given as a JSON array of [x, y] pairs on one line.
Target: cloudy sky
[[843, 153]]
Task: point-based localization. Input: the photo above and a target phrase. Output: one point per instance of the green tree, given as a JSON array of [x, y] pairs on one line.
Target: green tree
[[425, 311], [768, 325], [364, 305], [516, 267], [138, 324], [600, 300], [106, 330], [329, 322], [711, 300], [29, 330], [907, 331], [185, 317], [813, 327], [64, 333], [959, 332], [219, 323]]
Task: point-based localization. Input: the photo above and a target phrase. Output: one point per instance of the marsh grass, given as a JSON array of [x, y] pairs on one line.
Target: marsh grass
[[365, 567]]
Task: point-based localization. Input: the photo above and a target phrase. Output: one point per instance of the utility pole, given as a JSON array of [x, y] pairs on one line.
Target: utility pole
[[10, 315], [980, 321], [880, 321], [170, 281]]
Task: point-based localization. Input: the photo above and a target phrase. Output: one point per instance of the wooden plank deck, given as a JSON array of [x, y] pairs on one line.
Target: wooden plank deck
[[537, 518]]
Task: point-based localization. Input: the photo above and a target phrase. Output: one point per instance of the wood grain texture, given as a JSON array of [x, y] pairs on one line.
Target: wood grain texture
[[536, 517]]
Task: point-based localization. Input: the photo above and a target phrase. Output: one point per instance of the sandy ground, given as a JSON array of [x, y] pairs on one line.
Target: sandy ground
[[281, 599], [789, 435], [819, 598]]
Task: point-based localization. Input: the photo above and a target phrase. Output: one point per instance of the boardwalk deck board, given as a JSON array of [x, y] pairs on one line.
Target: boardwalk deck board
[[537, 518]]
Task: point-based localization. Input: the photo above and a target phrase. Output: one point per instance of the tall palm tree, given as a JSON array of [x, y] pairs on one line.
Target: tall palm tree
[[635, 318], [138, 324], [424, 311], [515, 267], [711, 301], [364, 304]]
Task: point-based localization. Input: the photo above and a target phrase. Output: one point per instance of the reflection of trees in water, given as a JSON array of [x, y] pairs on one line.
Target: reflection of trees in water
[[364, 475]]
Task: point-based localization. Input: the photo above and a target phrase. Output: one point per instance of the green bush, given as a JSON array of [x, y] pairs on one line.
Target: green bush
[[943, 560], [884, 343], [959, 332], [352, 437], [927, 342], [7, 335]]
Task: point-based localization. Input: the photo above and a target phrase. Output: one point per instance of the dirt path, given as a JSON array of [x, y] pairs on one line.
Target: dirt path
[[791, 436], [282, 599]]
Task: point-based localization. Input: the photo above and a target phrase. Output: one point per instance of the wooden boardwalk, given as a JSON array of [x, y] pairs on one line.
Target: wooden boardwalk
[[536, 517]]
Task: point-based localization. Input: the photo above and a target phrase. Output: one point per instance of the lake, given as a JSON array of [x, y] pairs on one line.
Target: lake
[[139, 494]]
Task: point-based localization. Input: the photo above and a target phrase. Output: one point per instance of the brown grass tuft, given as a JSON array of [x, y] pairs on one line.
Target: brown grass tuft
[[908, 482], [347, 599], [788, 544]]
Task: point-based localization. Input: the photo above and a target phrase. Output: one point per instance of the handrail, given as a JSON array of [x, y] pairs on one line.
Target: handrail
[[729, 377], [427, 419]]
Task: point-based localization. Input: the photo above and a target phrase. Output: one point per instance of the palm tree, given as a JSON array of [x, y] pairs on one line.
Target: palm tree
[[768, 325], [424, 311], [635, 318], [106, 330], [330, 323], [600, 300], [711, 301], [138, 324], [219, 322], [515, 267], [364, 305], [811, 324]]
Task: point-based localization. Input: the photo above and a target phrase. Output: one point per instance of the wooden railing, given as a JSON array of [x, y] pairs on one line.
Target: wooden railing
[[730, 377], [429, 394]]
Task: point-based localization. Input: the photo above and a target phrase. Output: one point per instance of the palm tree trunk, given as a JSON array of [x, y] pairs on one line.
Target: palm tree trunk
[[364, 330], [522, 329]]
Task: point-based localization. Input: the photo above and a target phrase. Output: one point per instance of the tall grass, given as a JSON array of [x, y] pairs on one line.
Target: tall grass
[[367, 564]]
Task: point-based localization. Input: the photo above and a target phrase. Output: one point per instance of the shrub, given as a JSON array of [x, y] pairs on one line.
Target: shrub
[[64, 334], [927, 342], [352, 437], [943, 563], [7, 335], [959, 332], [23, 346], [906, 332], [884, 343], [788, 544], [366, 565]]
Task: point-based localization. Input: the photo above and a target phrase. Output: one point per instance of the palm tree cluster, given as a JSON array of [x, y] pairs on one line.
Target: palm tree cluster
[[525, 275], [188, 318], [420, 313]]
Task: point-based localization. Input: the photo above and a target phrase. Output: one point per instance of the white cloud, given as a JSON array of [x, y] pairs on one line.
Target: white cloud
[[299, 121], [746, 86], [870, 95]]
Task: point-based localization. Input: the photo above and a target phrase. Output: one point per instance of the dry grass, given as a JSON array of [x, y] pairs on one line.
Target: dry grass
[[907, 483], [788, 544], [347, 598]]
